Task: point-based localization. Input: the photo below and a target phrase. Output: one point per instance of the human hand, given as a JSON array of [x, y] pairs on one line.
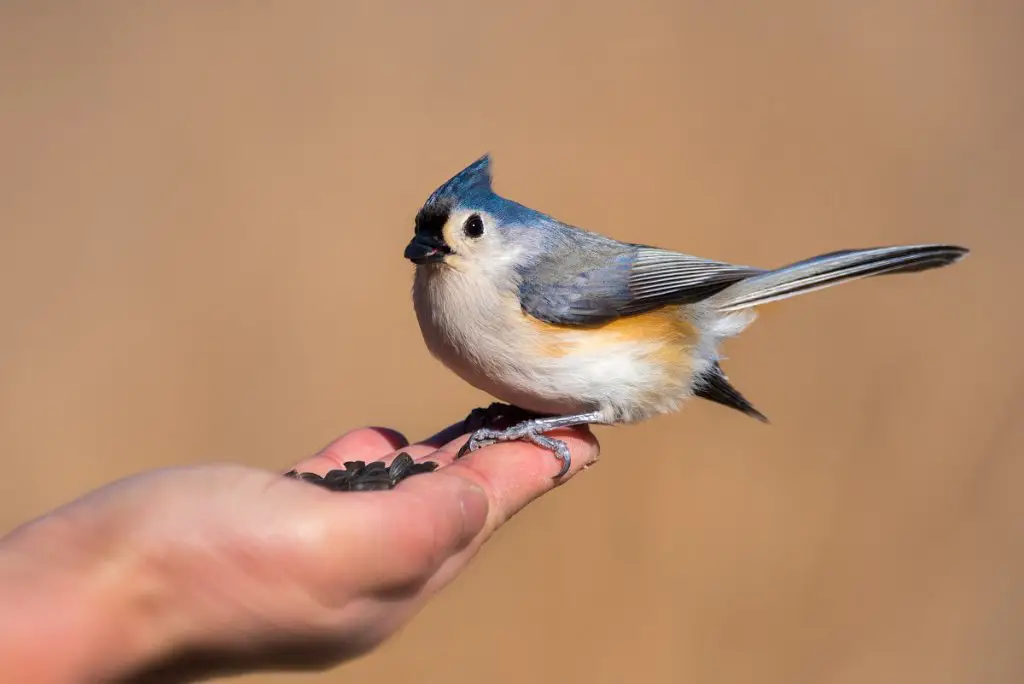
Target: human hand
[[195, 571]]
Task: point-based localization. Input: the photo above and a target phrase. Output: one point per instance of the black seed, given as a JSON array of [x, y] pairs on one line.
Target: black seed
[[425, 467], [401, 466], [336, 476], [335, 485], [360, 476], [371, 484], [375, 468]]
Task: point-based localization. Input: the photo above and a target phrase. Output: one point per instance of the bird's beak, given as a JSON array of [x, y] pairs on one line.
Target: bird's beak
[[425, 249]]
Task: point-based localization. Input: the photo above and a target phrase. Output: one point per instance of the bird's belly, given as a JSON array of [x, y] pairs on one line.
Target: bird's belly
[[629, 369], [504, 367]]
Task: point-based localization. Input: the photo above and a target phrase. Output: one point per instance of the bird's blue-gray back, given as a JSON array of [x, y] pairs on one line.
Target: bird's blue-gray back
[[582, 278]]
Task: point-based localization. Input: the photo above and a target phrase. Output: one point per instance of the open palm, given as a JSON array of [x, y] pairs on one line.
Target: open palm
[[223, 568]]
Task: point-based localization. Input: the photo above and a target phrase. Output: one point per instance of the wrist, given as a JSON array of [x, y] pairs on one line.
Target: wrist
[[73, 611]]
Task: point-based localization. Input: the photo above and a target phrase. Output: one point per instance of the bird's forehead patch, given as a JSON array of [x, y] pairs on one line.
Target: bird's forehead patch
[[432, 218]]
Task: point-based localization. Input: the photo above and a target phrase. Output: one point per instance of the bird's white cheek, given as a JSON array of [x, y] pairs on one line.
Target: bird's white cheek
[[456, 261]]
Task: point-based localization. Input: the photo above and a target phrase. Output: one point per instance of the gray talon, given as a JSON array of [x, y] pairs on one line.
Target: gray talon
[[532, 431], [560, 449], [479, 439]]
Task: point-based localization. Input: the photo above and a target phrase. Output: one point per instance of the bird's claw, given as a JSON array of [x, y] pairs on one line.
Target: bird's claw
[[477, 440], [528, 431]]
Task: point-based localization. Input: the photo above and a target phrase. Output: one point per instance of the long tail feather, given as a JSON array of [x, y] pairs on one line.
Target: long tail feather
[[834, 268]]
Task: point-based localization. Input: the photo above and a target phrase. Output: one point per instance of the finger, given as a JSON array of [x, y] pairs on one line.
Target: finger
[[510, 474], [515, 473], [419, 452], [427, 449], [396, 540], [446, 435], [376, 443], [427, 528], [364, 444]]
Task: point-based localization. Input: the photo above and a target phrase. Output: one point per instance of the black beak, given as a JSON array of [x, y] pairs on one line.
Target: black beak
[[425, 249]]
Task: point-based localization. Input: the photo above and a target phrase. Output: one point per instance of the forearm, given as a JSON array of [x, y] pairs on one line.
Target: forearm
[[69, 614]]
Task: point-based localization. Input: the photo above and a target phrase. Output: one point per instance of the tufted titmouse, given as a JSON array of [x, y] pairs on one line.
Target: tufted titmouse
[[579, 328]]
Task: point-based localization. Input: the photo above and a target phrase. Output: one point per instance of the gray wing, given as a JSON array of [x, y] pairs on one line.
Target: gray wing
[[598, 285]]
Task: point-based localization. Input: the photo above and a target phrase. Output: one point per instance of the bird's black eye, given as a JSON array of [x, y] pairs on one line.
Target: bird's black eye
[[474, 226]]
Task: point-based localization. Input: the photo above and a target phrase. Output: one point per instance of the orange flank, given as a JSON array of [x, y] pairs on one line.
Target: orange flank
[[670, 335]]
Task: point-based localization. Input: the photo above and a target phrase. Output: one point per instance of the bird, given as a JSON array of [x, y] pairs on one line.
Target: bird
[[572, 327]]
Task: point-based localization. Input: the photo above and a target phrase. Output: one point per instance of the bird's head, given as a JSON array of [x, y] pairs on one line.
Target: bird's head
[[465, 225]]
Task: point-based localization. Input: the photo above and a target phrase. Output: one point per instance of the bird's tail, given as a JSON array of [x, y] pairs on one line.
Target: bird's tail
[[831, 269]]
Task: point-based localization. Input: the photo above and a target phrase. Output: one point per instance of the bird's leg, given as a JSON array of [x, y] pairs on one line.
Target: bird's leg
[[532, 430]]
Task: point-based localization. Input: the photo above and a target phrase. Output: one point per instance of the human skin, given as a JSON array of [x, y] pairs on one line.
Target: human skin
[[185, 573]]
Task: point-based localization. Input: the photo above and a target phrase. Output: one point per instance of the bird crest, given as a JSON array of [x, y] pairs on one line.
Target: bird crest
[[473, 180]]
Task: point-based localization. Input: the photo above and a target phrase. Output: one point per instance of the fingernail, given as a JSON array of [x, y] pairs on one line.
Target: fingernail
[[394, 437], [594, 450], [446, 435]]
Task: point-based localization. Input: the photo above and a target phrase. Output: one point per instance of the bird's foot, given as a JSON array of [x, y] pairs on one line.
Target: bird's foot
[[532, 431]]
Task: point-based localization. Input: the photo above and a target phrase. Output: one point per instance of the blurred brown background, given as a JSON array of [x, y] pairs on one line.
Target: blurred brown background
[[202, 213]]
